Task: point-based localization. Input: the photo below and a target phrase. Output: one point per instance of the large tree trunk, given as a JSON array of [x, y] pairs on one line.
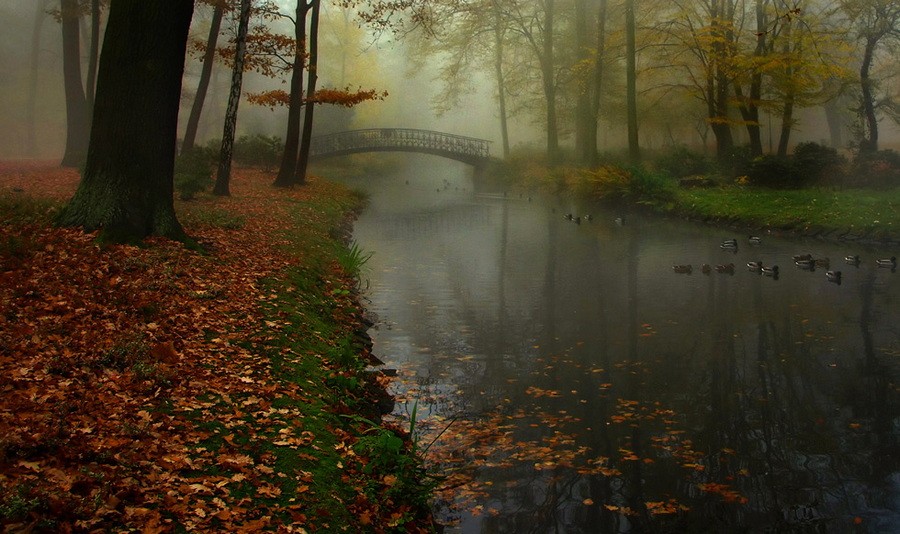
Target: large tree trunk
[[94, 54], [223, 177], [548, 73], [209, 56], [77, 114], [584, 123], [312, 78], [126, 188], [869, 142], [290, 156], [597, 86], [634, 149]]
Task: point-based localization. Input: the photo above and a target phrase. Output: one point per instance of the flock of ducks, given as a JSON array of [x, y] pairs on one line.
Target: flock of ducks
[[804, 262]]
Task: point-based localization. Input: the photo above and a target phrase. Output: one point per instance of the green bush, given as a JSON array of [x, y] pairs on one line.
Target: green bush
[[773, 171], [258, 150], [651, 188], [193, 173], [818, 164], [680, 162], [880, 169]]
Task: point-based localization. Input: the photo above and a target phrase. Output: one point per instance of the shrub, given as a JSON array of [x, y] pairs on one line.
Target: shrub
[[193, 173], [773, 171], [818, 164], [681, 161], [876, 169], [651, 188], [258, 150]]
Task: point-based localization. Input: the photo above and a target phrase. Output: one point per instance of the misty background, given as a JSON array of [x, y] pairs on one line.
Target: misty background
[[429, 86]]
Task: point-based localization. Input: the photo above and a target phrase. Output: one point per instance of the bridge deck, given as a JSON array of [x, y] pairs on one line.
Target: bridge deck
[[458, 147]]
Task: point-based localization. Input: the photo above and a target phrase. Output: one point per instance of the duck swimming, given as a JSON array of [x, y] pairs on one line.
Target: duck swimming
[[727, 268], [755, 266], [823, 262], [769, 271], [801, 257], [705, 268], [833, 276], [754, 240], [683, 269], [890, 262], [852, 260], [806, 264]]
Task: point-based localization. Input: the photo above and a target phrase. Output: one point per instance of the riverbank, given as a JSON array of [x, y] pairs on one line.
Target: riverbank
[[164, 388], [860, 215]]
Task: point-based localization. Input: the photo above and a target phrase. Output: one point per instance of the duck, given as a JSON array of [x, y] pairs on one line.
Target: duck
[[806, 264], [889, 262], [754, 240], [683, 269], [589, 217], [569, 216], [823, 262], [729, 244], [802, 257], [620, 221], [852, 260], [726, 268], [705, 268], [769, 271], [755, 266], [833, 276]]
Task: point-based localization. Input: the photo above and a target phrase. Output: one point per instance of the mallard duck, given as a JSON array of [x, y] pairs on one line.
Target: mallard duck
[[755, 266], [802, 257], [705, 268], [589, 217], [823, 262], [569, 216], [852, 260], [889, 262], [833, 276], [729, 245], [727, 268], [684, 269], [620, 221], [806, 264], [754, 240], [769, 271]]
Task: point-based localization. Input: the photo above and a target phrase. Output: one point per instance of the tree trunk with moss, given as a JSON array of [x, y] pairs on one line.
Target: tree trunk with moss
[[127, 185]]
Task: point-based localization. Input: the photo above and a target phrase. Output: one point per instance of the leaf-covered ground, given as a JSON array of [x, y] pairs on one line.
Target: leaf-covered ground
[[213, 388]]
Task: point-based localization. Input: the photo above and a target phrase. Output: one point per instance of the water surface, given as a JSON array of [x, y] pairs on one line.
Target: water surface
[[575, 383]]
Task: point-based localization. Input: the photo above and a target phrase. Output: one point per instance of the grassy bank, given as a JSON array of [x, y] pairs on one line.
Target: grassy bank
[[161, 388], [852, 213]]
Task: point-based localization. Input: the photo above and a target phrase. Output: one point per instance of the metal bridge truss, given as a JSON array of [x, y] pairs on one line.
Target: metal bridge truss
[[466, 149]]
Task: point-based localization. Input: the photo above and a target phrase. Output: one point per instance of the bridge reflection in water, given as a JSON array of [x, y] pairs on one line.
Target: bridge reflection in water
[[469, 150]]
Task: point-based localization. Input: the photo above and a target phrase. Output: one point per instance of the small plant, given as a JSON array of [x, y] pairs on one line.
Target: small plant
[[354, 259], [193, 173], [681, 162]]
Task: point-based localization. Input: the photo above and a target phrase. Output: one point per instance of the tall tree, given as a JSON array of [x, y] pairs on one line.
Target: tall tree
[[32, 96], [634, 149], [223, 177], [126, 188], [311, 79], [209, 56], [287, 172], [877, 24], [77, 113], [93, 53]]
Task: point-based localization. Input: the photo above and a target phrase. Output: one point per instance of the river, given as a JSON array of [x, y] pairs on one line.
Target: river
[[565, 379]]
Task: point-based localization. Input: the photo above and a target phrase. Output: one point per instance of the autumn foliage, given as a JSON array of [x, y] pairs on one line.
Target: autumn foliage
[[159, 388], [339, 97]]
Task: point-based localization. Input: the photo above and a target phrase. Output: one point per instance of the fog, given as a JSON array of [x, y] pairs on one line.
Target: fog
[[414, 68]]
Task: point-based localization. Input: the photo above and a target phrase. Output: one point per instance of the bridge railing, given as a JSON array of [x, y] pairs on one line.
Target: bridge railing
[[381, 138]]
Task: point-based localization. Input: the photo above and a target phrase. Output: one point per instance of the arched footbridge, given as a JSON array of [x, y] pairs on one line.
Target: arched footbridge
[[469, 150]]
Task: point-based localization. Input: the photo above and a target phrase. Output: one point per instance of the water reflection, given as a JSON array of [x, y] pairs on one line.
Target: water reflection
[[578, 384]]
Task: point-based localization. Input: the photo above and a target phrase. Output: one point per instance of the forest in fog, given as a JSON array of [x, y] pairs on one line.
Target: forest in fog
[[571, 79]]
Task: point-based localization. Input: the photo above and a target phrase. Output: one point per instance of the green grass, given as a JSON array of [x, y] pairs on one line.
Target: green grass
[[853, 210], [199, 215], [18, 209]]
